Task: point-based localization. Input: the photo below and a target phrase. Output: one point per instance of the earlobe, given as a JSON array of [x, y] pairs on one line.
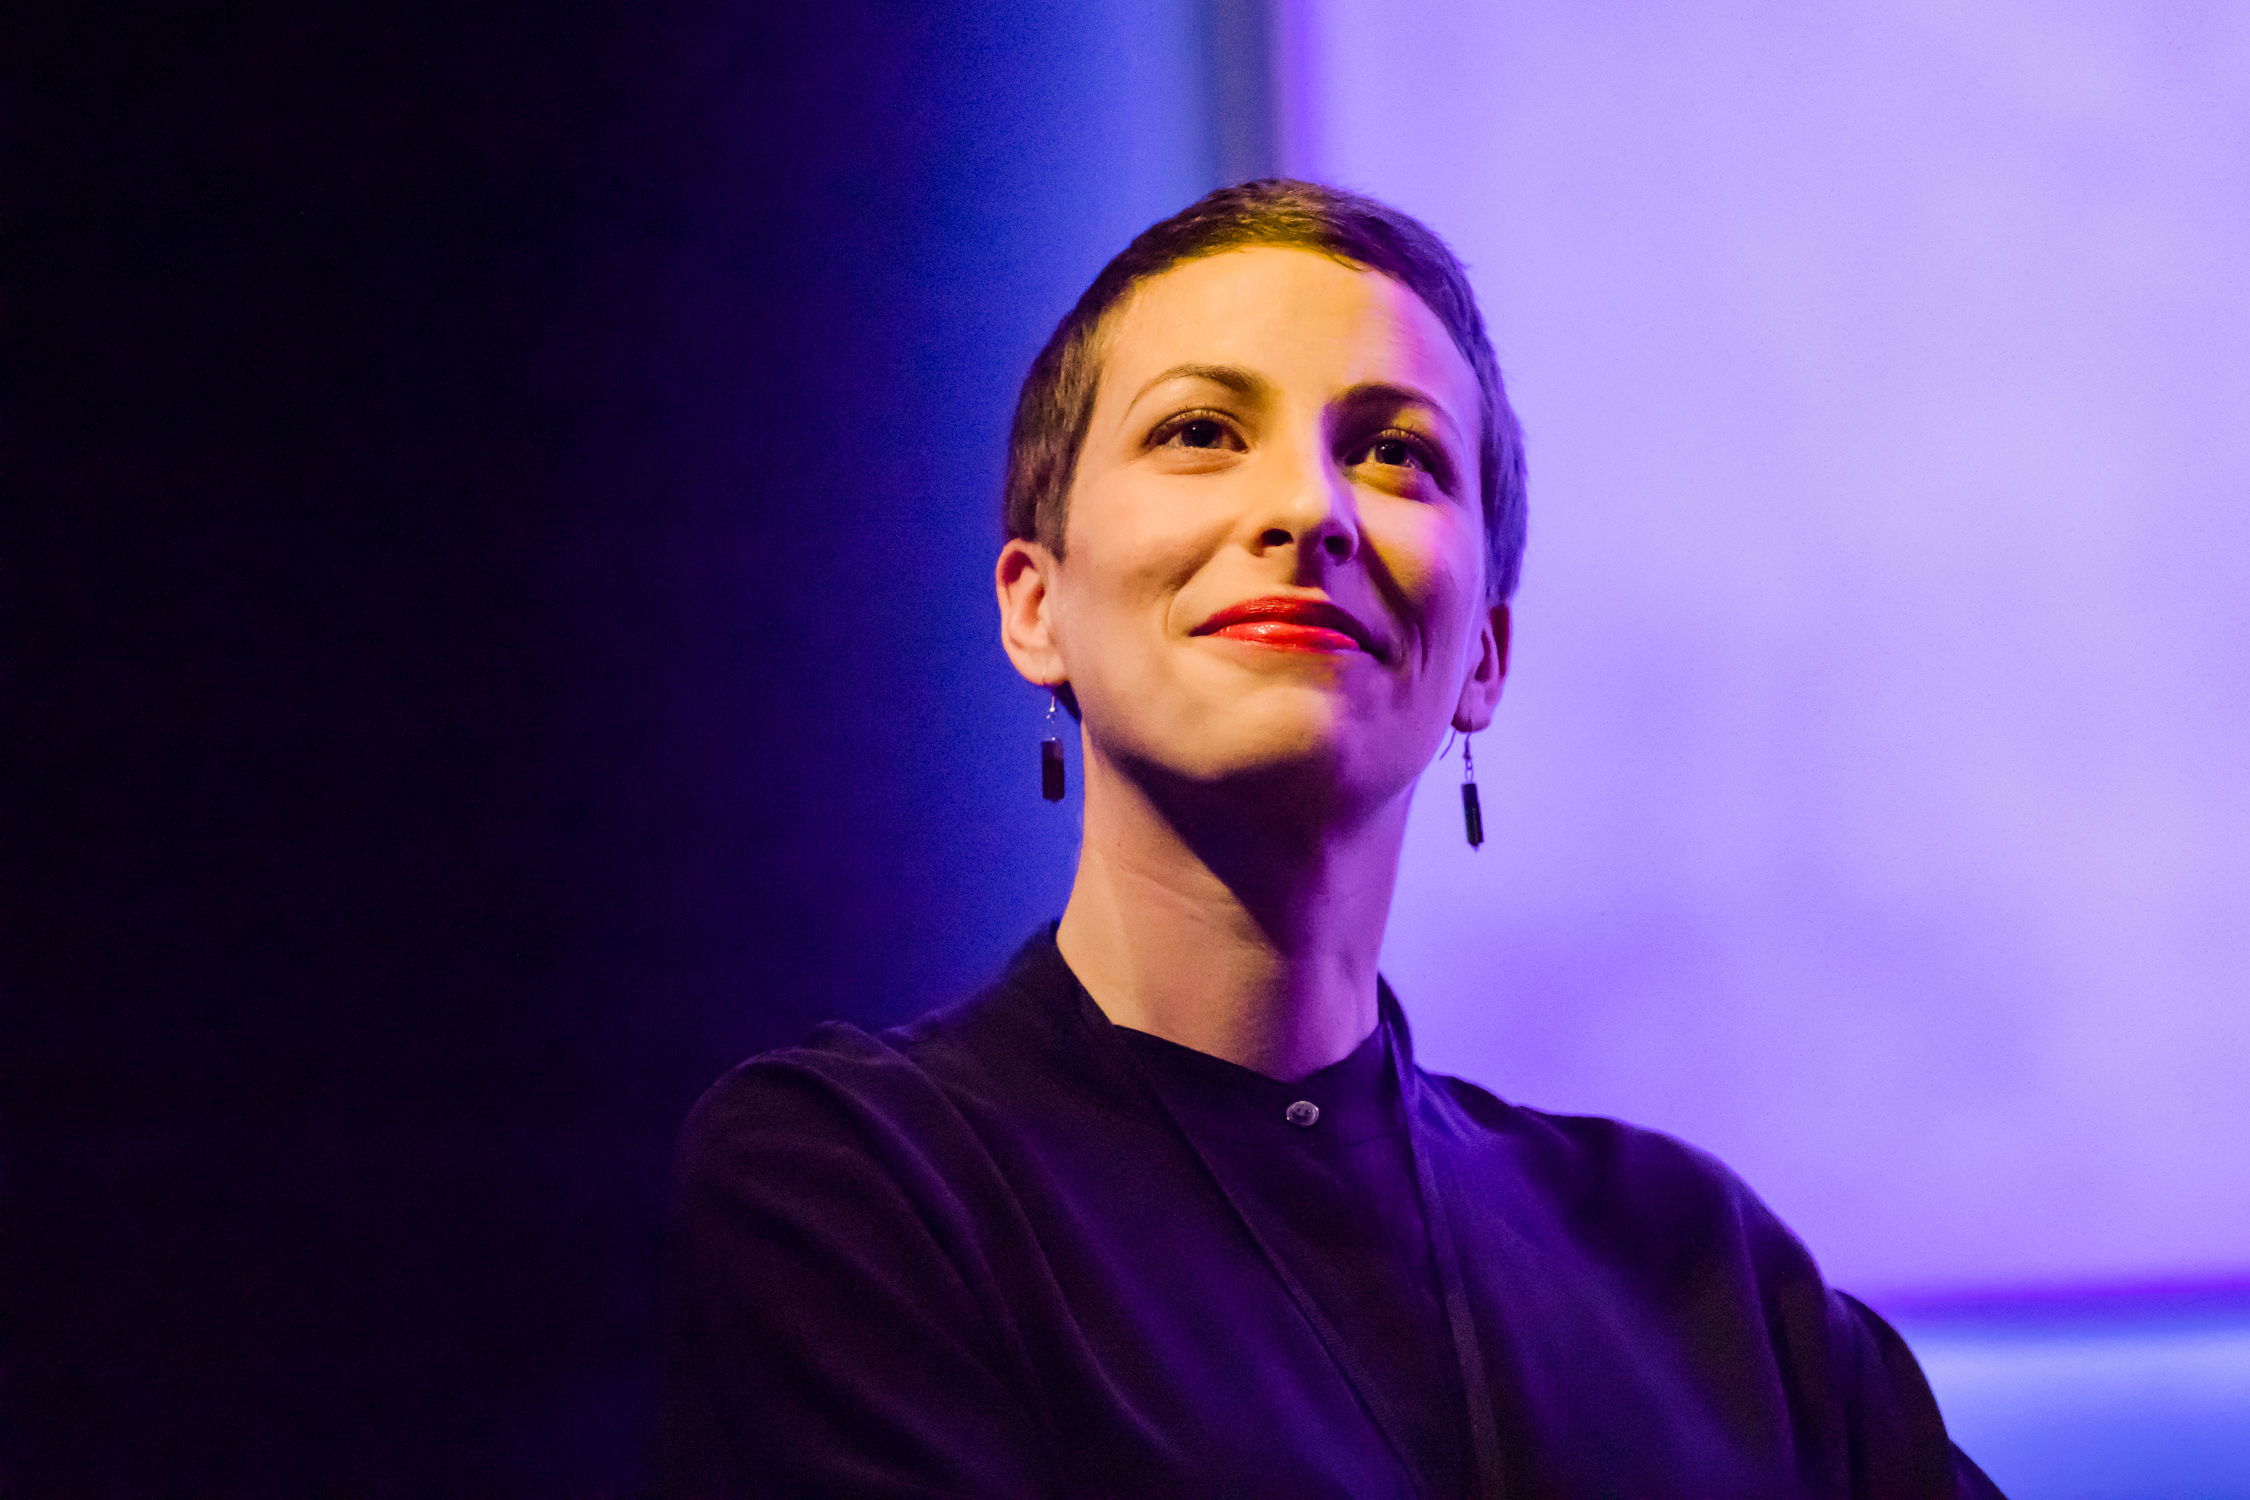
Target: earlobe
[[1480, 695], [1022, 580]]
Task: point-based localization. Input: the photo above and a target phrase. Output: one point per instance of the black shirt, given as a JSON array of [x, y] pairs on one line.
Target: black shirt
[[1012, 1249], [1331, 1191]]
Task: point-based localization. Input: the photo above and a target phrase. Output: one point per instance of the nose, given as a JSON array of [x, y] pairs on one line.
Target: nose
[[1310, 508]]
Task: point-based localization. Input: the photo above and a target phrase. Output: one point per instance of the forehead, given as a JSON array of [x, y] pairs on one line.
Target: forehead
[[1292, 315]]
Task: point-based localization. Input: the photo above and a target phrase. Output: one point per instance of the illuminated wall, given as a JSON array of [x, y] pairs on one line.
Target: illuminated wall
[[1871, 803]]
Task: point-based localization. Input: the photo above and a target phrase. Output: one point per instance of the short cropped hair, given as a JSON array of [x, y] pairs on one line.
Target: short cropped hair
[[1057, 402]]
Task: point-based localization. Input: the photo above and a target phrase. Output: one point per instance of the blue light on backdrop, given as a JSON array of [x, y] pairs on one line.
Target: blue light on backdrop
[[2096, 1398]]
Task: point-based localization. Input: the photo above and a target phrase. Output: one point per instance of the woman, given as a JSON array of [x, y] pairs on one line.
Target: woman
[[1169, 1210]]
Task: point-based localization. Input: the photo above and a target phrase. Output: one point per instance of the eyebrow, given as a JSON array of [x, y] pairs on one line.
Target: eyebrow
[[1236, 379], [1384, 393]]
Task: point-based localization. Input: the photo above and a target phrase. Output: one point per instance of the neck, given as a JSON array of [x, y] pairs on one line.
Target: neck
[[1240, 935]]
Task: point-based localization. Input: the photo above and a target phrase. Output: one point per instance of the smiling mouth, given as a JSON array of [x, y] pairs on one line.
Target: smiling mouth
[[1288, 624]]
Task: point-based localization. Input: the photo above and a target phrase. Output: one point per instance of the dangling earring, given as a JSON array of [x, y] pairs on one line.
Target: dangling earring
[[1471, 814], [1050, 756]]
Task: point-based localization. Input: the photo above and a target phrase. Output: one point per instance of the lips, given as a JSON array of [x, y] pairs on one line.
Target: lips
[[1291, 624]]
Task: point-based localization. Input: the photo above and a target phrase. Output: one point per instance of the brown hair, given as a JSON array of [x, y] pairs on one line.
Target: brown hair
[[1057, 402]]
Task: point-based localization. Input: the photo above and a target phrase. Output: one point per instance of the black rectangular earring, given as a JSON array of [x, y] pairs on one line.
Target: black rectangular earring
[[1051, 757], [1471, 814]]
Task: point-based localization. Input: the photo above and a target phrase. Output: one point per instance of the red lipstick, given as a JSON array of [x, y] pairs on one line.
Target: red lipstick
[[1291, 624]]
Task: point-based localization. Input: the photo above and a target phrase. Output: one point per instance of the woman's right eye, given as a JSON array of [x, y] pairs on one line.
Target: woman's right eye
[[1196, 432]]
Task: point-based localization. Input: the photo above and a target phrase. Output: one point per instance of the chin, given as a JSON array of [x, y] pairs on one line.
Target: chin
[[1297, 747]]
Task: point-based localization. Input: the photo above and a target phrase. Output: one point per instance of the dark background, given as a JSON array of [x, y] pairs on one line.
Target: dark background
[[500, 500]]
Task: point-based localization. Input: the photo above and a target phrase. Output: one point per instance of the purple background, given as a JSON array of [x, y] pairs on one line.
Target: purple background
[[1871, 804]]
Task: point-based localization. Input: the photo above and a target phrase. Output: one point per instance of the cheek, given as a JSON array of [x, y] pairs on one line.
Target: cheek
[[1130, 555], [1433, 559]]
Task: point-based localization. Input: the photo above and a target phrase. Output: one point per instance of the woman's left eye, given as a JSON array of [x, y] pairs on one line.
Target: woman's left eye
[[1393, 453]]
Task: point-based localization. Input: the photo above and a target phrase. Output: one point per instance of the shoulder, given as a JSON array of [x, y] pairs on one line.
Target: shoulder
[[913, 1100], [838, 1082], [837, 1296], [1652, 1234], [841, 1088], [1641, 1193], [1592, 1154]]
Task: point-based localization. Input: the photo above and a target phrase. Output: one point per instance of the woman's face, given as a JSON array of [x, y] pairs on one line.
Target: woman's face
[[1274, 557]]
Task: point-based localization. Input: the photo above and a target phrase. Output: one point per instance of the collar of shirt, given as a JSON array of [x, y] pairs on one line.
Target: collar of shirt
[[1352, 1100]]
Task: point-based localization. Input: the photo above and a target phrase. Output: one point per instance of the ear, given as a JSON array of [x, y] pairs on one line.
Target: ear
[[1480, 695], [1022, 579]]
